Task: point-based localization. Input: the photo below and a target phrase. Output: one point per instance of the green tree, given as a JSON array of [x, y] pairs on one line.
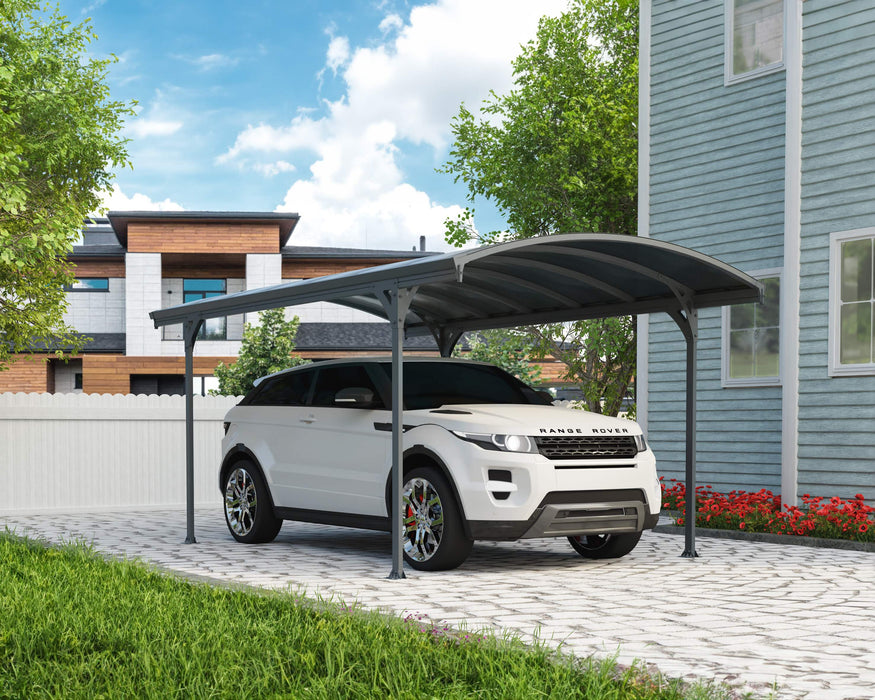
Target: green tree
[[59, 140], [506, 349], [266, 348], [559, 154]]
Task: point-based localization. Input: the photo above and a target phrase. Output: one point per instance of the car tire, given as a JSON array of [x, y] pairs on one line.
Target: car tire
[[607, 546], [433, 537], [248, 510]]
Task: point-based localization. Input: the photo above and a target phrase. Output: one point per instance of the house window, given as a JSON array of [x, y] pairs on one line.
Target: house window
[[852, 303], [171, 384], [754, 38], [194, 289], [89, 284], [752, 337]]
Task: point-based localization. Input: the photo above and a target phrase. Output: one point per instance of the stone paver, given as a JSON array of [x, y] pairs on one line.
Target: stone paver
[[749, 614]]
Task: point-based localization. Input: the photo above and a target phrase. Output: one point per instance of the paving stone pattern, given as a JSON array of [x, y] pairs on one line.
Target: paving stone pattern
[[753, 615]]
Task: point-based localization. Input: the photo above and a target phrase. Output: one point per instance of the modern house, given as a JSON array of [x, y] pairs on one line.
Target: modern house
[[131, 263], [757, 123]]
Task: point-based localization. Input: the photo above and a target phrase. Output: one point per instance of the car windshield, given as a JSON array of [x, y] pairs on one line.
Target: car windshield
[[435, 384]]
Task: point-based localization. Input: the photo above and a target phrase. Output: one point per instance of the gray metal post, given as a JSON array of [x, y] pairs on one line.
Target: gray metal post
[[190, 331], [690, 476], [689, 325], [397, 302], [397, 321]]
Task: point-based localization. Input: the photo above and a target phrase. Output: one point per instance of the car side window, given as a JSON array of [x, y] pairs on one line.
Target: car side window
[[435, 384], [332, 380], [286, 390]]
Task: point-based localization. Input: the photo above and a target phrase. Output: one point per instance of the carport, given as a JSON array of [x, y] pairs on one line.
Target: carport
[[548, 279]]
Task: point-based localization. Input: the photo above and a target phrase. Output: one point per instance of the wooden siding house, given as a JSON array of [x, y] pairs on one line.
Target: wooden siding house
[[131, 263], [757, 122]]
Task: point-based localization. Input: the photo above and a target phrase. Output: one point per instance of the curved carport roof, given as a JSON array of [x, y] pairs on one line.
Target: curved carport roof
[[565, 277]]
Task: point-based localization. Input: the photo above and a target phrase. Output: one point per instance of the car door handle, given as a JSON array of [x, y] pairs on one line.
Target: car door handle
[[309, 419]]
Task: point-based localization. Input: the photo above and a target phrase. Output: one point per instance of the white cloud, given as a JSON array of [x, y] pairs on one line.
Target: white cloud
[[272, 169], [160, 118], [391, 23], [213, 61], [405, 90], [303, 133], [116, 200], [393, 220], [337, 54], [356, 197], [91, 7], [141, 127]]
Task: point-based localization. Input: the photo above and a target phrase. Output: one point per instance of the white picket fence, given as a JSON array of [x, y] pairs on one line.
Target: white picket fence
[[74, 452]]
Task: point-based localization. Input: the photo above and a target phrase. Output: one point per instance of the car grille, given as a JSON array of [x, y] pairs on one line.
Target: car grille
[[587, 447]]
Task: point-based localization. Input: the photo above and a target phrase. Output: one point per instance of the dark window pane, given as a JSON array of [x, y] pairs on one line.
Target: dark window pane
[[195, 289], [857, 270], [741, 354], [856, 333], [754, 346], [330, 380], [286, 390], [204, 285], [90, 284], [758, 34], [158, 384], [435, 384], [768, 313], [767, 352], [213, 329], [741, 316]]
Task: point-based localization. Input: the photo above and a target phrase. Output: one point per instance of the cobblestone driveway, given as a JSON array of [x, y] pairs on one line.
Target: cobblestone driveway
[[748, 614]]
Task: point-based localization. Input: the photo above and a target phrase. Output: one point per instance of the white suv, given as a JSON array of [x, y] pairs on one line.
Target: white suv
[[485, 458]]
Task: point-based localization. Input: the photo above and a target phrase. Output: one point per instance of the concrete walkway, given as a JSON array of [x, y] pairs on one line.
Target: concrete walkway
[[752, 615]]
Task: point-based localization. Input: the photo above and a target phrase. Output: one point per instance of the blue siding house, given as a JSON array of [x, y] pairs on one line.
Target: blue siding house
[[757, 128]]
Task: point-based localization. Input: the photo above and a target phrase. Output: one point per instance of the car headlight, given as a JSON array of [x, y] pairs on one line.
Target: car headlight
[[640, 443], [502, 443]]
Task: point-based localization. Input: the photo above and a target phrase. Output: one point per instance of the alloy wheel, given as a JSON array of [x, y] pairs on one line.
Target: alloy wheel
[[423, 519], [240, 502]]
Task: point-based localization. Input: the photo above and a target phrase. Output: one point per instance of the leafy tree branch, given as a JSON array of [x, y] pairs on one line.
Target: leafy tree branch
[[267, 348], [59, 141], [559, 154]]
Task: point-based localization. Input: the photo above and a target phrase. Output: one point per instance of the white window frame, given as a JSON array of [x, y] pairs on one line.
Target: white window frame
[[836, 368], [728, 382], [730, 78]]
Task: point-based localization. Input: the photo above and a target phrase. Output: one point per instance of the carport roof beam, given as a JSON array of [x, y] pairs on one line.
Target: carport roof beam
[[643, 269]]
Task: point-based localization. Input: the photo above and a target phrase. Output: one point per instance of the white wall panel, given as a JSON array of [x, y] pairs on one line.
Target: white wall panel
[[73, 452]]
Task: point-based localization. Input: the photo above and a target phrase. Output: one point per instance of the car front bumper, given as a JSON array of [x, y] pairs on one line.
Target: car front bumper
[[507, 496]]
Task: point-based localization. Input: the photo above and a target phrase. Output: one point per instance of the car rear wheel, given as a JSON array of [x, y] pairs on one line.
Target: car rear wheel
[[433, 538], [607, 546], [248, 512]]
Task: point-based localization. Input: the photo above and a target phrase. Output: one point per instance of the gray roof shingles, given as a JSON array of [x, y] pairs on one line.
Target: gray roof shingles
[[355, 336]]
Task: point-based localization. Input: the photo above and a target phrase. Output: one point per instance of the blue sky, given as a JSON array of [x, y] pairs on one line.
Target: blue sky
[[336, 110]]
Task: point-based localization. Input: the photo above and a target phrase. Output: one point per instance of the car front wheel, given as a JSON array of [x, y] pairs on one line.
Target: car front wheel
[[608, 546], [248, 512], [432, 537]]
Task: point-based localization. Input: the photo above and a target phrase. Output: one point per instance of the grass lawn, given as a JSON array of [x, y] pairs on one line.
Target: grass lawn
[[75, 625]]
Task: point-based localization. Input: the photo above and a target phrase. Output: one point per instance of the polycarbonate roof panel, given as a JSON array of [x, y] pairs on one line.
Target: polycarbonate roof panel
[[537, 280]]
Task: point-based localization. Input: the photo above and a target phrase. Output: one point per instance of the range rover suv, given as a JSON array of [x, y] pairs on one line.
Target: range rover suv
[[485, 458]]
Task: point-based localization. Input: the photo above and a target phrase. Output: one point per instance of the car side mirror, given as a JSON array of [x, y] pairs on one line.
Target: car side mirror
[[356, 396]]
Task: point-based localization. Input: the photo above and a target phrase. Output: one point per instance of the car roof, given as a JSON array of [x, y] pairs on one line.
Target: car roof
[[380, 359]]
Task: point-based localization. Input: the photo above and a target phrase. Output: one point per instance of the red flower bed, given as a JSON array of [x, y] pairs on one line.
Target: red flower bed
[[763, 511]]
